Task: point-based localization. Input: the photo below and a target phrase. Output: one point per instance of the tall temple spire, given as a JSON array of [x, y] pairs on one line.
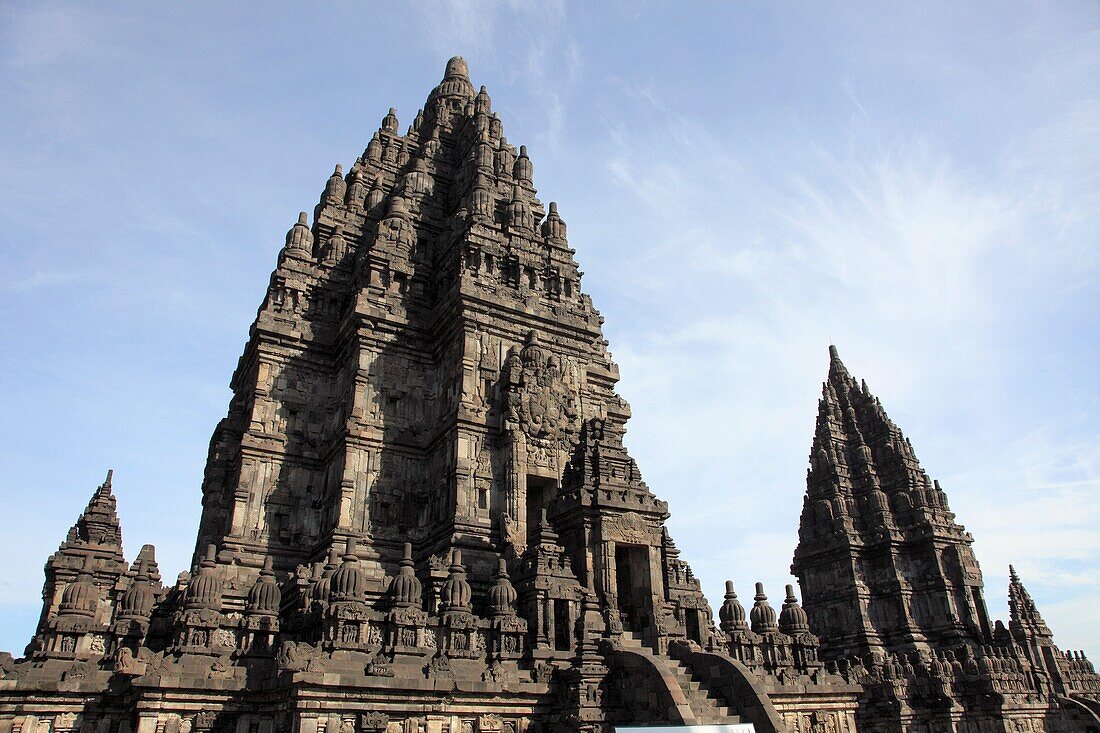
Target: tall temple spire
[[448, 238], [1025, 622], [868, 513], [98, 524], [94, 541]]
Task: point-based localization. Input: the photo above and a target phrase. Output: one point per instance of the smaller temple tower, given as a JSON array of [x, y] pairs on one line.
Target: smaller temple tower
[[88, 564], [893, 590], [881, 560]]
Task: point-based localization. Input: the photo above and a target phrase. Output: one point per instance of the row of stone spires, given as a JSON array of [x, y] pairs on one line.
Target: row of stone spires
[[347, 583], [300, 237], [98, 524], [762, 618], [80, 598], [133, 608]]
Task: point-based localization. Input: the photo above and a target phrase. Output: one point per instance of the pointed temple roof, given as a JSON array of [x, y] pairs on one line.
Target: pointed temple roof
[[1024, 618], [429, 260], [98, 524], [857, 448], [869, 500]]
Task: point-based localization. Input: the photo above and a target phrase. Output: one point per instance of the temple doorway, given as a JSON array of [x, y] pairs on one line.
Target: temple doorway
[[540, 492], [691, 619], [632, 585]]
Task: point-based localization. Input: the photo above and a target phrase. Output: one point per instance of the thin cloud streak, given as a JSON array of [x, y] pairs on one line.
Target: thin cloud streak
[[885, 246]]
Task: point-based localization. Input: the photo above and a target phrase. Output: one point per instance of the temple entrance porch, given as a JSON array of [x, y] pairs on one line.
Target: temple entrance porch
[[632, 586]]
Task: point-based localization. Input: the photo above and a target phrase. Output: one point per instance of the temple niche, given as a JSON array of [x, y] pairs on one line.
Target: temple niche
[[419, 516]]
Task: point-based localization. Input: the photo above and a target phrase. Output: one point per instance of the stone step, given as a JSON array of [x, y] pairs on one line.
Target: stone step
[[706, 707], [690, 686]]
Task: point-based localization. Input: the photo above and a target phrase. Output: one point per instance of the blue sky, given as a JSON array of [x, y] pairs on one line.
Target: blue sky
[[744, 183]]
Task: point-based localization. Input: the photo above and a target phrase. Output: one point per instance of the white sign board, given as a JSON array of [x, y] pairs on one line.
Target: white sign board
[[732, 728]]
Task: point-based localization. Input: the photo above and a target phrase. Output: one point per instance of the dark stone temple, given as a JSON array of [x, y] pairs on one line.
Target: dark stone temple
[[418, 516]]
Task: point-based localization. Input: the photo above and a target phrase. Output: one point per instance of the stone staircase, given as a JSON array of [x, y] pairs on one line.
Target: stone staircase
[[707, 707]]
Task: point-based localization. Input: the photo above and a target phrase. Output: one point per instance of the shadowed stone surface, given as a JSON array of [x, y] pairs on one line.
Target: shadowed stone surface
[[894, 591], [419, 517]]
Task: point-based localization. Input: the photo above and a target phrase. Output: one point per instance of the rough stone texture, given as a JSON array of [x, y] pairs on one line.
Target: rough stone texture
[[894, 591], [419, 515]]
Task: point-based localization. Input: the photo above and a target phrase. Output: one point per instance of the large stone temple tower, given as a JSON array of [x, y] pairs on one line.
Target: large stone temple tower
[[418, 514], [422, 363], [421, 371]]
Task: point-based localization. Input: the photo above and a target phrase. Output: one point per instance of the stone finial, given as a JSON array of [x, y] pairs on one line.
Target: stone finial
[[373, 153], [793, 619], [389, 122], [137, 601], [300, 239], [552, 226], [502, 596], [205, 590], [406, 590], [838, 373], [265, 598], [505, 159], [456, 66], [482, 103], [456, 593], [335, 187], [349, 582], [81, 597], [455, 86], [519, 213], [322, 591], [357, 192], [762, 615], [522, 170], [732, 613]]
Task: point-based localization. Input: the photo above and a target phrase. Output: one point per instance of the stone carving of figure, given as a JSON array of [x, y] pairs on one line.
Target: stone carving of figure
[[509, 534], [537, 396]]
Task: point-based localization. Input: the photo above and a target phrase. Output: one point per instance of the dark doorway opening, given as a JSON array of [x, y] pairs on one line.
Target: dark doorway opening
[[540, 492], [563, 633], [632, 585], [692, 621]]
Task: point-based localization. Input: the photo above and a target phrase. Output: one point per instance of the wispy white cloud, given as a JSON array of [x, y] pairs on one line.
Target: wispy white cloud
[[907, 257]]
